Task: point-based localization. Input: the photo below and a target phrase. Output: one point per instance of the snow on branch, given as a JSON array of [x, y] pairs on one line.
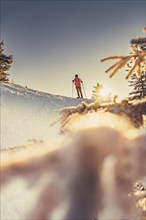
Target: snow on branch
[[136, 61], [138, 41], [131, 110]]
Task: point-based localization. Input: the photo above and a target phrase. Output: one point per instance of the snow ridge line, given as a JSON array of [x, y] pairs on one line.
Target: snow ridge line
[[35, 92]]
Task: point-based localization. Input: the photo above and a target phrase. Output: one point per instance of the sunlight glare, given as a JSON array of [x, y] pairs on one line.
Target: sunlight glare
[[104, 92]]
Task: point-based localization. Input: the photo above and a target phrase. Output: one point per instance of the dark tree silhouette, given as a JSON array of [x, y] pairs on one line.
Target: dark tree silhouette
[[5, 64], [139, 87]]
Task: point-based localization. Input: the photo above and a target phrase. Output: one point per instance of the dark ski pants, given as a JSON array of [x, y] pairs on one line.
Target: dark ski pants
[[79, 92]]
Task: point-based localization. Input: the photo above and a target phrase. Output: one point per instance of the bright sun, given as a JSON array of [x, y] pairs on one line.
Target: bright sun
[[104, 92]]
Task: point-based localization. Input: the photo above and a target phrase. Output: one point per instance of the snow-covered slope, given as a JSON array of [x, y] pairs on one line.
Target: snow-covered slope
[[26, 114]]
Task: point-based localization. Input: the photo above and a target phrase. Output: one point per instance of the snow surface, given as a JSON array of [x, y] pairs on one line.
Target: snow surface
[[26, 114]]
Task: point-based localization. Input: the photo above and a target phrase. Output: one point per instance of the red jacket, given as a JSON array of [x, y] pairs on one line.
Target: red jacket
[[77, 82]]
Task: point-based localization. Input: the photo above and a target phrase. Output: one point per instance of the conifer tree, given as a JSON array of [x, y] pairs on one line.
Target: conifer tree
[[139, 87], [5, 64], [96, 92]]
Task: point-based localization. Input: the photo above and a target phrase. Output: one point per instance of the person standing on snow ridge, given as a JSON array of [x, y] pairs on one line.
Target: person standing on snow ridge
[[77, 81]]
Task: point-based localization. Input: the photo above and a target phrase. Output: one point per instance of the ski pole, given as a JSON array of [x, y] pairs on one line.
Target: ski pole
[[84, 90], [72, 89]]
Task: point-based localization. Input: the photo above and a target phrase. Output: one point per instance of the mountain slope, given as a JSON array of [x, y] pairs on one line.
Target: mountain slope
[[26, 114]]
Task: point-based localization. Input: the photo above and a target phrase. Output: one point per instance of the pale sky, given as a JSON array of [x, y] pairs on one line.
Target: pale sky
[[51, 41]]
